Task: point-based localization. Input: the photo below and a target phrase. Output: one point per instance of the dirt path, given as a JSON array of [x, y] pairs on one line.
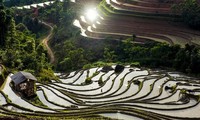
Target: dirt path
[[45, 42]]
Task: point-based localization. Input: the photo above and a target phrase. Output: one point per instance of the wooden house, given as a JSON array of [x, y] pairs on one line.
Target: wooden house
[[24, 83]]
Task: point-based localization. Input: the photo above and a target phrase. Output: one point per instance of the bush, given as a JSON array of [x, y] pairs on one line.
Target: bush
[[135, 64], [190, 12], [99, 64], [119, 68], [88, 80], [100, 82], [87, 66], [107, 68], [46, 75]]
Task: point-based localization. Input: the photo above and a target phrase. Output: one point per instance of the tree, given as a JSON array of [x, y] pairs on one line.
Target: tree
[[3, 26], [21, 27], [190, 12], [109, 56], [65, 4]]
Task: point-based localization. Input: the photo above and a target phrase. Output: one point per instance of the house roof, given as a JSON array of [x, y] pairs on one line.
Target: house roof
[[21, 77]]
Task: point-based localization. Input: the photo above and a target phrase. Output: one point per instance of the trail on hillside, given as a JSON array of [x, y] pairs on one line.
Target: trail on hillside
[[45, 42]]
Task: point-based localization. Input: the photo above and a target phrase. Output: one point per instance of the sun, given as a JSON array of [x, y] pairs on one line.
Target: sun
[[91, 14]]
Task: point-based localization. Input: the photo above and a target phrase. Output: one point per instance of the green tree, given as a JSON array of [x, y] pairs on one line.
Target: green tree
[[190, 12], [73, 60], [3, 26], [109, 56]]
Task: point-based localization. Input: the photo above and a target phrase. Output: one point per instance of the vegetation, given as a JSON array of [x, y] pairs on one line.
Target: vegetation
[[160, 54], [88, 80], [100, 81], [19, 48], [10, 3], [73, 51], [190, 12], [3, 74], [36, 101]]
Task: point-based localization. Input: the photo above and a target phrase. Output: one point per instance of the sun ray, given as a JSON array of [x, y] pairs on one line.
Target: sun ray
[[91, 14]]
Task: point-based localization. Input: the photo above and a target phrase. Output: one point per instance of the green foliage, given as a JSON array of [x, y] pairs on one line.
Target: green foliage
[[3, 74], [135, 64], [19, 49], [155, 54], [46, 75], [101, 64], [37, 102], [173, 88], [109, 56], [71, 59], [97, 64], [95, 74], [183, 91], [151, 54], [190, 12], [7, 27], [188, 59], [88, 80], [87, 66], [33, 24], [21, 27], [100, 81]]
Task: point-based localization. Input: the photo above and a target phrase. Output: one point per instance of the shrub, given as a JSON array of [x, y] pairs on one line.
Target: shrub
[[99, 64], [88, 80], [119, 68], [100, 81], [190, 12], [87, 66], [46, 75], [135, 64]]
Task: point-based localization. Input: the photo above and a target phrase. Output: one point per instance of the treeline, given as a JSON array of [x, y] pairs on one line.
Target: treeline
[[19, 48], [155, 54], [74, 55], [11, 3], [33, 25], [189, 11]]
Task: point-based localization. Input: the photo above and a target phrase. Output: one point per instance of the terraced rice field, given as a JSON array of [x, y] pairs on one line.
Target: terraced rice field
[[135, 93], [148, 20]]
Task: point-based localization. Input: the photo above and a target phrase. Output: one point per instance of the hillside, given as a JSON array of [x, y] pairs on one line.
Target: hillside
[[100, 59]]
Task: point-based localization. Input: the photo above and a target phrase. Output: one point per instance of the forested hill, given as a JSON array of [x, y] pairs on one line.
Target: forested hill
[[19, 48]]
